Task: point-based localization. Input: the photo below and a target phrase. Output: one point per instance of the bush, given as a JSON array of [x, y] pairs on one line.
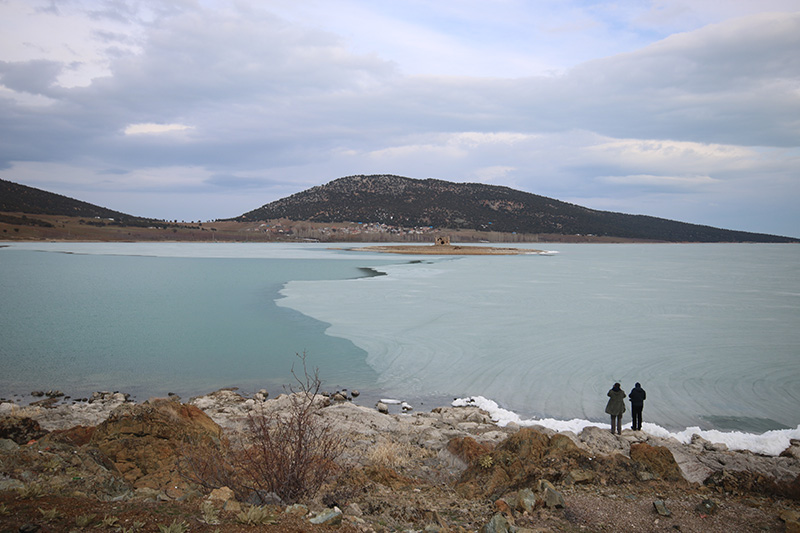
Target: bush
[[290, 453]]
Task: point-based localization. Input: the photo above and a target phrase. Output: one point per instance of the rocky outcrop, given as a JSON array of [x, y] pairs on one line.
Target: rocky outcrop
[[20, 429], [145, 441]]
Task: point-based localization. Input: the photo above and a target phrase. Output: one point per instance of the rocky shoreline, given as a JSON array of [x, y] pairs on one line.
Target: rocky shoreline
[[442, 470]]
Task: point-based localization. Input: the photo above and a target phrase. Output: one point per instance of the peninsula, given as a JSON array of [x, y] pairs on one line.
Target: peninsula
[[442, 246]]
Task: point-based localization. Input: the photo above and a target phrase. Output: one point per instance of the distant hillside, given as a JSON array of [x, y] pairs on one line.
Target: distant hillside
[[399, 201], [15, 198]]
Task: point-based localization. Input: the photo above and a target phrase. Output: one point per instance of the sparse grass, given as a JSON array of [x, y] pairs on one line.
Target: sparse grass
[[210, 513], [48, 515], [109, 521], [29, 491], [255, 515], [136, 526], [4, 510], [85, 520], [390, 454], [174, 527]]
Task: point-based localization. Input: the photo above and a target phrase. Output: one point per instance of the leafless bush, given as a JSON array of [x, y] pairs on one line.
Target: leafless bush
[[290, 453]]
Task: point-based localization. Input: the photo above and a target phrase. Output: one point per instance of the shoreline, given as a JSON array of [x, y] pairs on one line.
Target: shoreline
[[453, 466], [58, 411]]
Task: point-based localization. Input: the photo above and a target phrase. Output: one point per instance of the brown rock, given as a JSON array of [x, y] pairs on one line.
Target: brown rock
[[222, 494], [467, 449], [145, 441], [502, 507], [75, 436], [658, 460]]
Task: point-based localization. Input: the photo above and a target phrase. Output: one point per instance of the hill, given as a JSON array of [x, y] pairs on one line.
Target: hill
[[407, 202], [16, 198]]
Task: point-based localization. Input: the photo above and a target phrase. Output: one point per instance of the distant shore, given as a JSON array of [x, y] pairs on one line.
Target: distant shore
[[448, 249]]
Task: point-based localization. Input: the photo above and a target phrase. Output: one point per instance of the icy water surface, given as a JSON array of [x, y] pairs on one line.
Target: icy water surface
[[711, 331]]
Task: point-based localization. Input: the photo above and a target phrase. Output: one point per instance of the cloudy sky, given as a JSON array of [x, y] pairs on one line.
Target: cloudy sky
[[203, 109]]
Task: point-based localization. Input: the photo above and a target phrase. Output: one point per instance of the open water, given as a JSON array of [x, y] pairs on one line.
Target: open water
[[710, 330]]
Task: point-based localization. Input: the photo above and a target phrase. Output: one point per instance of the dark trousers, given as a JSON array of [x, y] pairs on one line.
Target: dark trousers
[[616, 424], [636, 413]]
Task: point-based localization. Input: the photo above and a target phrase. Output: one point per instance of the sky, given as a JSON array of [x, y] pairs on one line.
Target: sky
[[206, 109]]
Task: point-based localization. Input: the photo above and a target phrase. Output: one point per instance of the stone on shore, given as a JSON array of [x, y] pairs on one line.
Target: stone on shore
[[145, 441]]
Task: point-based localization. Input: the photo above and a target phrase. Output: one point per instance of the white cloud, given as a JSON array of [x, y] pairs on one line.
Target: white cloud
[[148, 128]]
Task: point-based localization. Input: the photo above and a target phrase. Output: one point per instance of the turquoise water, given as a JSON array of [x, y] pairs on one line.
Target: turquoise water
[[153, 325], [711, 331]]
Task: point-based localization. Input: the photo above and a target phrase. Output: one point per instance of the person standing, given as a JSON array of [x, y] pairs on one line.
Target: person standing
[[637, 397], [615, 407]]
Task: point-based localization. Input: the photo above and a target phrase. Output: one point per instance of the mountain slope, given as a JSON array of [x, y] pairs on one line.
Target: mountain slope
[[16, 198], [400, 201]]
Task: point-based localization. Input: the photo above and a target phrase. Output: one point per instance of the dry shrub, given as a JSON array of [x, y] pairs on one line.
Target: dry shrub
[[290, 453]]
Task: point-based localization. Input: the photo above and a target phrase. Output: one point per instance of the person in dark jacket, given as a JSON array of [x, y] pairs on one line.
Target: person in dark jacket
[[637, 397], [615, 407]]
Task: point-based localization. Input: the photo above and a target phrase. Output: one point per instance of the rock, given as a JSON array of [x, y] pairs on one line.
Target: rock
[[553, 499], [498, 524], [20, 430], [263, 497], [658, 460], [353, 510], [602, 441], [661, 508], [330, 517], [791, 520], [526, 500], [8, 445], [502, 506], [232, 506], [54, 394], [467, 449], [793, 450], [354, 393], [706, 507], [297, 509], [382, 408], [699, 441], [339, 397], [47, 403], [75, 436], [262, 395], [145, 441], [222, 494], [37, 393], [579, 477]]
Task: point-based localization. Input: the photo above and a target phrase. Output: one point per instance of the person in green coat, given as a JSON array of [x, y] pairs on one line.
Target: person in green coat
[[615, 407]]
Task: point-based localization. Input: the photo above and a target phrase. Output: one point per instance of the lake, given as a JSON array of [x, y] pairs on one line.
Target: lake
[[710, 330]]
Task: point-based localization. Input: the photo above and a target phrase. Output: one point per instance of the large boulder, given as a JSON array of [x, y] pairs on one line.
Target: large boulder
[[145, 441], [657, 460]]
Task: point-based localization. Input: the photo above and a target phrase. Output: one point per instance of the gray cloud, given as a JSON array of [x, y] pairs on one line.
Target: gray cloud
[[272, 107]]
